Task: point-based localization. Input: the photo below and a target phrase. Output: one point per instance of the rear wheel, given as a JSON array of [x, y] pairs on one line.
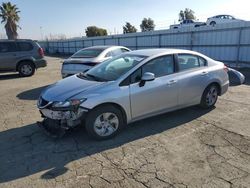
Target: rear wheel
[[104, 122], [26, 69], [210, 96]]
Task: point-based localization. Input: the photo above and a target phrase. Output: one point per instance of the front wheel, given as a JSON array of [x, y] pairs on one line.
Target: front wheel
[[104, 122], [209, 97]]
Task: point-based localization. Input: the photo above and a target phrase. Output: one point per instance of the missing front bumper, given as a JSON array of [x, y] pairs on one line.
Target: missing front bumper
[[56, 123], [52, 128]]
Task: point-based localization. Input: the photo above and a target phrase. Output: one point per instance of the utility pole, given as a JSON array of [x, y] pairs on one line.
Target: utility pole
[[41, 32]]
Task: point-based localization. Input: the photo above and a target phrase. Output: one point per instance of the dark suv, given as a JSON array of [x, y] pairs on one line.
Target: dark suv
[[24, 56]]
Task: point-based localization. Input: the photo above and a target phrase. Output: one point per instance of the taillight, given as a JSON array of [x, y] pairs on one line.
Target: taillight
[[41, 52], [225, 68]]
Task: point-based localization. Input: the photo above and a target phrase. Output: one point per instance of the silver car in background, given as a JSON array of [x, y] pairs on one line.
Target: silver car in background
[[87, 58], [131, 87]]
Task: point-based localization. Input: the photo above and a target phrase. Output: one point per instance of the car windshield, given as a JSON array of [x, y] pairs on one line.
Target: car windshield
[[87, 53], [114, 68]]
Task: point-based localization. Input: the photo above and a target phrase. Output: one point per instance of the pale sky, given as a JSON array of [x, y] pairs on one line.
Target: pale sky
[[71, 17]]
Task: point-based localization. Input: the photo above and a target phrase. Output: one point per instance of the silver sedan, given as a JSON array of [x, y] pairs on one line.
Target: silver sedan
[[131, 87], [87, 58]]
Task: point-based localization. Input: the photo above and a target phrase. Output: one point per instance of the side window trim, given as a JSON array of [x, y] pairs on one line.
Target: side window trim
[[124, 82]]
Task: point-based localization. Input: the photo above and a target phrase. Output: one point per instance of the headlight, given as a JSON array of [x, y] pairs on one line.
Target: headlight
[[68, 105], [61, 104]]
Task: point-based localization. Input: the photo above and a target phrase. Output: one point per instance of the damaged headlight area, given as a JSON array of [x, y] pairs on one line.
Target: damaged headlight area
[[65, 115], [71, 105]]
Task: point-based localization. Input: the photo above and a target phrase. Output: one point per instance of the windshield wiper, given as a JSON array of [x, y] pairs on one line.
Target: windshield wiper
[[82, 75], [96, 78]]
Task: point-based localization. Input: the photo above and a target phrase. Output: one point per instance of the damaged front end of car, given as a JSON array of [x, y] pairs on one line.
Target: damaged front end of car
[[60, 116]]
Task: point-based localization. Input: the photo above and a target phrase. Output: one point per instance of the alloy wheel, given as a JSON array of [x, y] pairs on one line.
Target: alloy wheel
[[212, 96], [26, 69], [106, 124]]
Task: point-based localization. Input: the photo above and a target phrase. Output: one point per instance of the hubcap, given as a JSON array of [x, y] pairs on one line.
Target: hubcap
[[106, 124], [211, 96], [26, 69]]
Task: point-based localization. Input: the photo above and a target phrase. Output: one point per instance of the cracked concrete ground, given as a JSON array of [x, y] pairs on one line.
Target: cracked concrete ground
[[186, 148]]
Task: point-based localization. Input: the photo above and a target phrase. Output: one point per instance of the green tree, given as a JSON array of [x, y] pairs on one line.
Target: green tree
[[147, 24], [186, 14], [9, 14], [128, 28], [93, 31]]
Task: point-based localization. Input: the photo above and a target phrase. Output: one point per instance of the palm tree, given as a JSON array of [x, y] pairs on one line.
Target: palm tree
[[10, 17]]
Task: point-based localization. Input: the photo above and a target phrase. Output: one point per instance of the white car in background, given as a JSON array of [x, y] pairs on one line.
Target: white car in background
[[219, 19], [187, 24], [87, 58]]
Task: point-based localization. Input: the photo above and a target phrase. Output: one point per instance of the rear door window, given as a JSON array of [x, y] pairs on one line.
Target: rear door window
[[187, 61], [25, 46], [202, 62], [6, 47]]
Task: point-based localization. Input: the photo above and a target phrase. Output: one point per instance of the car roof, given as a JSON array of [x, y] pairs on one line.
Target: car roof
[[104, 47], [158, 51], [223, 15]]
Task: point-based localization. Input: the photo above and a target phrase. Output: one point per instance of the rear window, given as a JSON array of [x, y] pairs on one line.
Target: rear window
[[7, 47], [87, 53], [25, 46], [117, 52]]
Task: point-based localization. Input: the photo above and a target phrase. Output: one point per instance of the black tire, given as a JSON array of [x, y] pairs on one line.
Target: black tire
[[206, 103], [213, 23], [26, 69], [97, 113]]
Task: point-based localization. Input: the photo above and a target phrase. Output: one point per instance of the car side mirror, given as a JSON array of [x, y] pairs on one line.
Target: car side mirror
[[147, 76]]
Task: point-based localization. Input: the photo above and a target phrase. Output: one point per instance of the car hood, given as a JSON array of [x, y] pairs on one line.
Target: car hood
[[79, 60], [68, 88]]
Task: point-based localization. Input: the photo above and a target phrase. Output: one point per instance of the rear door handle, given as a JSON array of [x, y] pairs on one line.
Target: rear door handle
[[171, 82]]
